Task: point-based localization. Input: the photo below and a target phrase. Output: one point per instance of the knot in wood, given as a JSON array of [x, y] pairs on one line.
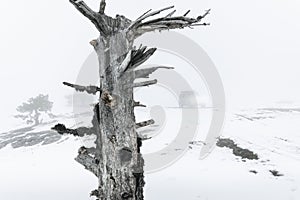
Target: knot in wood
[[125, 155], [127, 195], [82, 150], [94, 43], [113, 139], [108, 99], [95, 193]]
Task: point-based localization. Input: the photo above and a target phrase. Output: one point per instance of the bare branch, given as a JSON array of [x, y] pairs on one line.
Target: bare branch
[[162, 18], [89, 162], [138, 104], [136, 58], [202, 24], [187, 13], [167, 22], [80, 132], [144, 73], [144, 138], [143, 15], [89, 89], [170, 14], [102, 7], [139, 57], [155, 13], [146, 83], [98, 19], [81, 6], [145, 123], [205, 14], [147, 15]]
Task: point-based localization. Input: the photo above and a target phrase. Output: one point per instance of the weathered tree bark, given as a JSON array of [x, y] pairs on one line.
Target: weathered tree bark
[[116, 160]]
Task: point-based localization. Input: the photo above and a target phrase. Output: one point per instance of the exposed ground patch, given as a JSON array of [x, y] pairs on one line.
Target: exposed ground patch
[[236, 150]]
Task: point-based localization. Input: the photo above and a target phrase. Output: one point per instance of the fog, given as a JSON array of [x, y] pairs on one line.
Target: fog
[[254, 44]]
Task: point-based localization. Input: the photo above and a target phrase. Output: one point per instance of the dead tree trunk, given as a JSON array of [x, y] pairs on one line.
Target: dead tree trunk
[[117, 160]]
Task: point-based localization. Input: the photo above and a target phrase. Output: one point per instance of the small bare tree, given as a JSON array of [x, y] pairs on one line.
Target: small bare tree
[[116, 160], [32, 109]]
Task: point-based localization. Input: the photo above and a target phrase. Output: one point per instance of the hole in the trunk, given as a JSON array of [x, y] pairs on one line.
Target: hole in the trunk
[[125, 155]]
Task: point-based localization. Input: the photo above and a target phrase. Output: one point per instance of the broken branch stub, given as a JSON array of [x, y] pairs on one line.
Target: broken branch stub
[[145, 123], [145, 83], [89, 89], [145, 73]]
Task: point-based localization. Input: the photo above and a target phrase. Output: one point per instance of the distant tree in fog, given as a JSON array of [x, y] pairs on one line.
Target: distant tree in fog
[[32, 109]]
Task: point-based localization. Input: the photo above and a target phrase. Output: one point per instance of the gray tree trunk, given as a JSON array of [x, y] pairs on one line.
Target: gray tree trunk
[[36, 117], [117, 160], [121, 164]]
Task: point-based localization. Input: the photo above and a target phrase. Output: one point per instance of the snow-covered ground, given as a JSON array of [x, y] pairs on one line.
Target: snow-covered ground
[[274, 135], [34, 169]]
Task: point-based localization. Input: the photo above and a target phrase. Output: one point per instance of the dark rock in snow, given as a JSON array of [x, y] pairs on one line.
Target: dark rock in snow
[[253, 171], [275, 173], [237, 151]]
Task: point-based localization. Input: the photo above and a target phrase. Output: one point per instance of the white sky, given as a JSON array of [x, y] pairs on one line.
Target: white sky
[[254, 44]]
